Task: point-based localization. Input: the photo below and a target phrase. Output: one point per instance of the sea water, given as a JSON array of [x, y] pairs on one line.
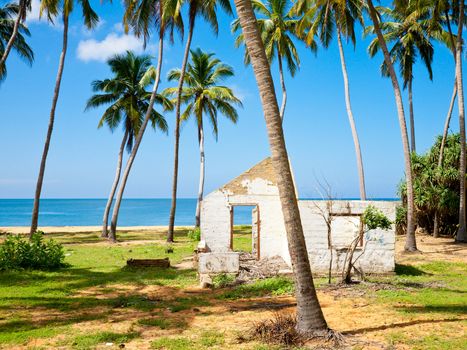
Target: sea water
[[89, 212]]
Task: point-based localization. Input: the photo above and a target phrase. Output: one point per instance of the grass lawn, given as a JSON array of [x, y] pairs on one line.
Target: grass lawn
[[99, 301]]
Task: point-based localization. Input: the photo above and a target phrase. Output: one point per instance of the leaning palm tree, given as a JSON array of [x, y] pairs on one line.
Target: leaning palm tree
[[16, 28], [206, 9], [143, 16], [322, 18], [408, 30], [310, 319], [126, 93], [7, 27], [410, 244], [204, 97], [278, 27], [53, 8]]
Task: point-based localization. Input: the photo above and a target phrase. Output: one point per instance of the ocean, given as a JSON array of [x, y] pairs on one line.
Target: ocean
[[88, 212]]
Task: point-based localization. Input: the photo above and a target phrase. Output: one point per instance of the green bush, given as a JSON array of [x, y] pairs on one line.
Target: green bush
[[195, 234], [19, 253], [375, 218]]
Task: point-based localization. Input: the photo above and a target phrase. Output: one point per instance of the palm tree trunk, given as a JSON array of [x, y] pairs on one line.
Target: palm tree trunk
[[105, 219], [412, 120], [14, 34], [201, 173], [40, 178], [284, 91], [139, 137], [461, 232], [436, 225], [353, 128], [310, 318], [410, 243], [446, 125], [454, 93], [173, 207]]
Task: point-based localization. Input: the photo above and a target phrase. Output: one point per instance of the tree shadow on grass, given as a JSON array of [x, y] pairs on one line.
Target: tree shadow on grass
[[457, 309], [409, 270], [73, 279], [399, 325]]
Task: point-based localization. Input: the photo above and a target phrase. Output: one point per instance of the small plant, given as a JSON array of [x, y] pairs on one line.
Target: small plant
[[36, 254], [223, 280], [195, 234], [169, 248], [374, 218]]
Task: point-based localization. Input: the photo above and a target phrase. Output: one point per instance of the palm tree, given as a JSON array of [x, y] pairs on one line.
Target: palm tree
[[141, 16], [7, 27], [409, 31], [53, 8], [15, 28], [204, 96], [126, 93], [322, 18], [278, 27], [310, 319], [410, 244], [207, 9], [461, 235]]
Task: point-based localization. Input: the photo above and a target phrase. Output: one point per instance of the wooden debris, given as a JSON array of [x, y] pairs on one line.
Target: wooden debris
[[164, 263]]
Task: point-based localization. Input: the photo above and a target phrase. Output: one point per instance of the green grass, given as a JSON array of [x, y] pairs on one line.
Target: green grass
[[268, 286], [446, 341], [209, 339], [242, 238], [436, 287], [102, 267], [89, 341]]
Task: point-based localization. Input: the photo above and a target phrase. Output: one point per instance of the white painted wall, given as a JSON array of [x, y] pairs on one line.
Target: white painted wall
[[377, 252]]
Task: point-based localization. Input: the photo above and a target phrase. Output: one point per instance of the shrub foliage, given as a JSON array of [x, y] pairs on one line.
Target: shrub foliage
[[436, 188], [36, 254]]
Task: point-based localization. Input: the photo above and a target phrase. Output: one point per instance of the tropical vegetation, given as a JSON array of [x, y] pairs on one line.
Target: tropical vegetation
[[129, 101], [433, 190]]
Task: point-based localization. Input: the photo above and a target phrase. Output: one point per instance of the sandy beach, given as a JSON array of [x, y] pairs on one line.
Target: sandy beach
[[75, 229]]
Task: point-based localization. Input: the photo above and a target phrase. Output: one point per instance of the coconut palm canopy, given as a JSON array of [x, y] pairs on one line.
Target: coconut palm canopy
[[202, 93], [127, 95], [8, 14]]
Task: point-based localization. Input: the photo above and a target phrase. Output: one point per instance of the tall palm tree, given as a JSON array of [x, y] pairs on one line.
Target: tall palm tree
[[321, 18], [310, 319], [278, 28], [16, 29], [206, 9], [409, 31], [204, 96], [410, 243], [142, 16], [461, 235], [126, 93], [53, 8], [7, 27]]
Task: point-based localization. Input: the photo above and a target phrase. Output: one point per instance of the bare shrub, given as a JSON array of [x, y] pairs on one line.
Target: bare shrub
[[279, 330]]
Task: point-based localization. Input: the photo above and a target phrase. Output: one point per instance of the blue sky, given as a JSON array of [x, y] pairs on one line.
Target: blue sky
[[82, 159]]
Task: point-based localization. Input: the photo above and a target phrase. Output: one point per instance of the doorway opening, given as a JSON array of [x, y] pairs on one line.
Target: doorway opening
[[245, 228]]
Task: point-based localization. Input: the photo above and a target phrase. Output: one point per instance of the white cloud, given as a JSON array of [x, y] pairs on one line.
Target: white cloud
[[93, 50], [33, 15]]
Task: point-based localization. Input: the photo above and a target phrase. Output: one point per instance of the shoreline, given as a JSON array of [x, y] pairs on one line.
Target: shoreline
[[79, 229]]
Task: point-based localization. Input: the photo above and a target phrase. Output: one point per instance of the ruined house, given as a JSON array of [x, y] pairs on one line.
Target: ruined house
[[257, 188]]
